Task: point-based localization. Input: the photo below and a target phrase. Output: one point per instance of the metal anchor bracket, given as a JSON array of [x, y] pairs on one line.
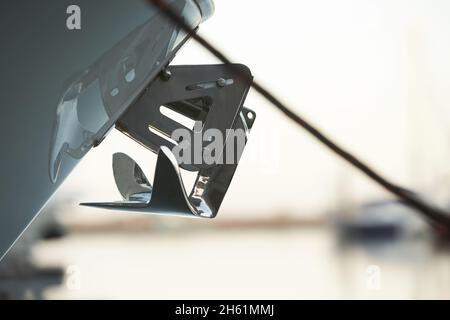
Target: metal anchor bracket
[[210, 95]]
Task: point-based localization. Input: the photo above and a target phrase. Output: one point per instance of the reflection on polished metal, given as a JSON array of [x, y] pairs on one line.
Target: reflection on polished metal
[[211, 94], [167, 195]]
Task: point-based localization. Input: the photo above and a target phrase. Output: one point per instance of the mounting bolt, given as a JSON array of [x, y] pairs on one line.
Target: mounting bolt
[[221, 82], [165, 75]]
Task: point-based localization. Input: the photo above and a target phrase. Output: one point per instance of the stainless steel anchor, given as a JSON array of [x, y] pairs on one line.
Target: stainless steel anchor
[[212, 95]]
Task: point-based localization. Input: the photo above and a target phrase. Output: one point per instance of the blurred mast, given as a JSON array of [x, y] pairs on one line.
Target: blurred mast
[[426, 129]]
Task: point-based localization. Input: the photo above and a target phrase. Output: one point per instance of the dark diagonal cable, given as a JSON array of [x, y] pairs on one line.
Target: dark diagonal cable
[[435, 215]]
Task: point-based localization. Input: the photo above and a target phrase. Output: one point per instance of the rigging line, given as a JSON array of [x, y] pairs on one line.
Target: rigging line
[[438, 217]]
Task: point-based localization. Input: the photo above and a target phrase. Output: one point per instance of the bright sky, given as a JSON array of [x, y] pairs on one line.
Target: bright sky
[[372, 74]]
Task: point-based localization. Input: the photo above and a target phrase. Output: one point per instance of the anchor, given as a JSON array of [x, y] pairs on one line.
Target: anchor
[[210, 95]]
